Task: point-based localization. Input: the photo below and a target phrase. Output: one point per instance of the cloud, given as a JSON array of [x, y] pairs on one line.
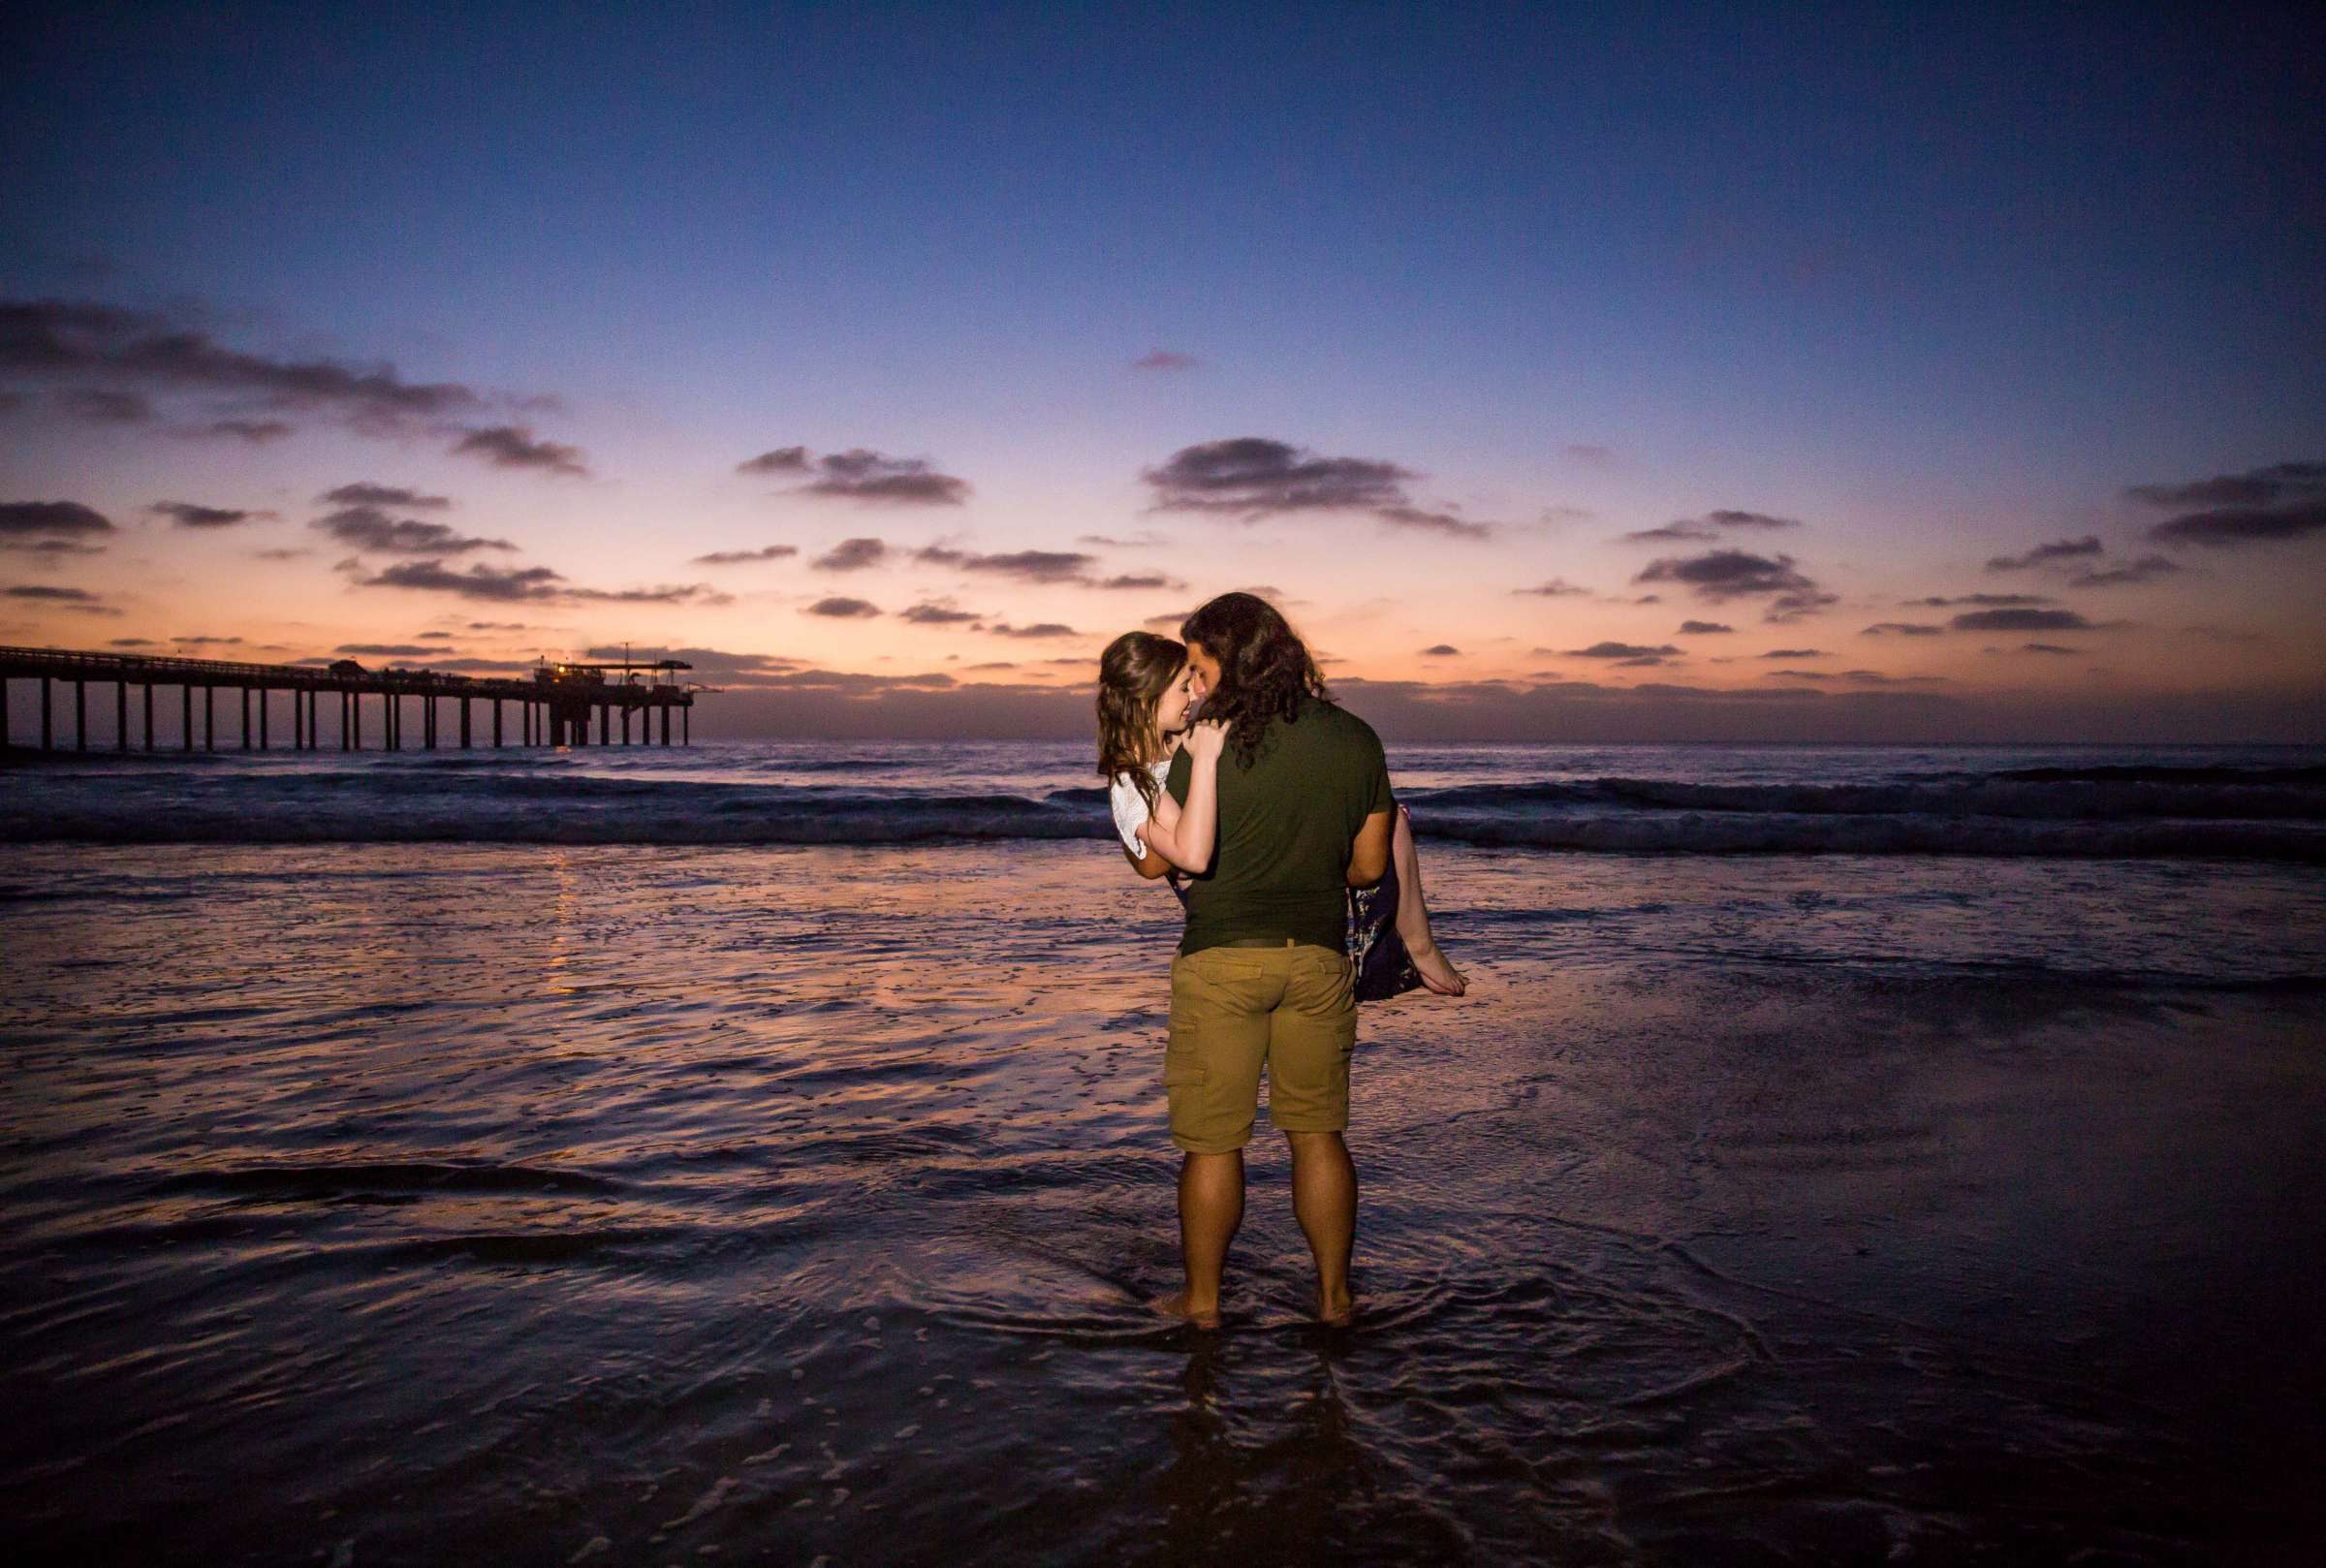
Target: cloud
[[1903, 628], [2021, 620], [199, 641], [2273, 504], [2045, 647], [1424, 520], [1250, 477], [282, 555], [1874, 677], [863, 475], [1590, 453], [1620, 650], [365, 492], [1730, 517], [186, 514], [64, 596], [51, 547], [1792, 607], [1136, 581], [2137, 571], [937, 613], [438, 637], [1442, 650], [97, 407], [477, 582], [1992, 601], [1255, 478], [852, 556], [1144, 541], [2257, 487], [390, 650], [1794, 653], [1709, 525], [853, 684], [514, 446], [1681, 530], [1556, 588], [739, 557], [85, 340], [838, 608], [530, 583], [1165, 359], [1721, 575], [2059, 550], [51, 519], [256, 432], [782, 460], [1025, 565], [2228, 527], [1047, 628], [1702, 628], [367, 527], [1803, 674]]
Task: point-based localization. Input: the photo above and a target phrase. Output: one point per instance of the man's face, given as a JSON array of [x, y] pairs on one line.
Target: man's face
[[1205, 668]]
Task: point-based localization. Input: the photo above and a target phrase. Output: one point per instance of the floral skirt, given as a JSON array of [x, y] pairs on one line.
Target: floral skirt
[[1384, 969]]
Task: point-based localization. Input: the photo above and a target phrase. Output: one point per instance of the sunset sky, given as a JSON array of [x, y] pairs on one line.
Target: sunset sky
[[1597, 374]]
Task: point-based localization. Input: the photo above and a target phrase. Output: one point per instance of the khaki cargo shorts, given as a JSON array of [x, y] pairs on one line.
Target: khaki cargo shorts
[[1237, 1010]]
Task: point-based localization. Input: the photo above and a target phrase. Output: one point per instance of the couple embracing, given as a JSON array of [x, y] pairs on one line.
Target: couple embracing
[[1274, 820]]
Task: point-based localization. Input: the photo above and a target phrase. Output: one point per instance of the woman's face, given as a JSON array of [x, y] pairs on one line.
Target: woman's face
[[1171, 709]]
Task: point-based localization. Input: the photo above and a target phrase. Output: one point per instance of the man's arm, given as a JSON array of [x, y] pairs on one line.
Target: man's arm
[[1368, 856], [1149, 865]]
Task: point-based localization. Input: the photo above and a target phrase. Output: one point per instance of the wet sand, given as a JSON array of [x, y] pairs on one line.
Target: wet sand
[[402, 1203]]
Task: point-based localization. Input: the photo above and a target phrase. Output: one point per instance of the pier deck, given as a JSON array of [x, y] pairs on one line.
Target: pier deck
[[555, 701]]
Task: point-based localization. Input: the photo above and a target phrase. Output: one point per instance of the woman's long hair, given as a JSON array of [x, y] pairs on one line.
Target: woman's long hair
[[1134, 673], [1265, 670]]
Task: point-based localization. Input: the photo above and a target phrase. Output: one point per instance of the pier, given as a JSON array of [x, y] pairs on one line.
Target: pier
[[554, 703]]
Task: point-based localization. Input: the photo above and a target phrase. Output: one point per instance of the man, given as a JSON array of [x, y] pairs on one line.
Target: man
[[1263, 980]]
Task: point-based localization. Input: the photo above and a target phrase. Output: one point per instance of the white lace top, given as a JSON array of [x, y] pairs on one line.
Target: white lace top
[[1130, 807]]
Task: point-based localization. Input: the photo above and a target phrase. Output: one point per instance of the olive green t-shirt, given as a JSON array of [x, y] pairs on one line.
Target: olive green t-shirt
[[1286, 824]]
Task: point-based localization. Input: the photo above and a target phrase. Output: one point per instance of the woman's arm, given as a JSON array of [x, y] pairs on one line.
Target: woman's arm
[[1184, 836]]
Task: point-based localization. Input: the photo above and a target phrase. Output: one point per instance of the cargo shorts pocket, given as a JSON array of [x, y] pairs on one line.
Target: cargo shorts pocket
[[1182, 1069]]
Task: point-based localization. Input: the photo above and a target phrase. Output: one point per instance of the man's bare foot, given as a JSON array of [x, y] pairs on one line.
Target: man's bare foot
[[1175, 1306], [1336, 1311], [1436, 972]]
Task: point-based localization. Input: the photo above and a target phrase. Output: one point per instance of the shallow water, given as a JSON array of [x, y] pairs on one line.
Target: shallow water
[[396, 1203]]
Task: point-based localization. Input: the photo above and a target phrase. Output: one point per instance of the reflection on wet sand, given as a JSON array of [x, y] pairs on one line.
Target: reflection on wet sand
[[568, 1203]]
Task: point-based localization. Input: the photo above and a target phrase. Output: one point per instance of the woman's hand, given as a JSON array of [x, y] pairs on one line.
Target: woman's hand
[[1205, 741]]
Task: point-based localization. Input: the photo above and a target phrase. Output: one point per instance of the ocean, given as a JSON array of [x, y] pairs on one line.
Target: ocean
[[754, 1152]]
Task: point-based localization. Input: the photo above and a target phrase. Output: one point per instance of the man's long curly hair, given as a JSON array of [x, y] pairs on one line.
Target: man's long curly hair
[[1265, 670], [1134, 673]]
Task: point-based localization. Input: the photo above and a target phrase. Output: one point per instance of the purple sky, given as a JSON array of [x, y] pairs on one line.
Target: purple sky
[[1955, 377]]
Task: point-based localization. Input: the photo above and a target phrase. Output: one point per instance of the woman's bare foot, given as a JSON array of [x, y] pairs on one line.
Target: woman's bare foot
[[1175, 1306], [1436, 972], [1336, 1311]]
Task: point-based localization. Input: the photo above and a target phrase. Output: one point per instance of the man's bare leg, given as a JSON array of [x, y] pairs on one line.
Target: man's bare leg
[[1413, 915], [1210, 1209], [1324, 1199]]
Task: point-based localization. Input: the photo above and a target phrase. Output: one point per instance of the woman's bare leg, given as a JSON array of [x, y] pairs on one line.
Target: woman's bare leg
[[1413, 915]]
